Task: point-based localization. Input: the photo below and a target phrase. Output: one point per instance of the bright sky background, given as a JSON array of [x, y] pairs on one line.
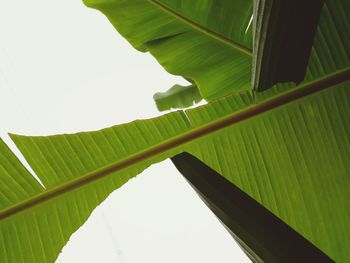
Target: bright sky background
[[63, 69]]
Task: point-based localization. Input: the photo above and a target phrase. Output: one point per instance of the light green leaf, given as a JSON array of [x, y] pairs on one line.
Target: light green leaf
[[186, 39], [177, 97], [16, 182], [242, 141], [206, 41], [36, 223], [289, 151]]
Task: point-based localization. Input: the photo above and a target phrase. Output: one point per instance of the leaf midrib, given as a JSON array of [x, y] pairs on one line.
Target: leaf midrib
[[206, 31], [254, 110]]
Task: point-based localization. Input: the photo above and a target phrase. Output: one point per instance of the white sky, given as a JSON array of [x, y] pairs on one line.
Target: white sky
[[63, 68]]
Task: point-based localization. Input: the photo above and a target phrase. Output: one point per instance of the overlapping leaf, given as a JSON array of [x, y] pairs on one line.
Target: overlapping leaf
[[186, 39], [283, 36], [262, 236], [289, 153], [207, 42], [80, 170]]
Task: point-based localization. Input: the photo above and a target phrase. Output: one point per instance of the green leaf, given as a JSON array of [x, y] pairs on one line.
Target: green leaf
[[283, 37], [288, 151], [202, 41], [17, 184], [294, 160], [35, 223], [241, 140], [177, 97], [209, 43]]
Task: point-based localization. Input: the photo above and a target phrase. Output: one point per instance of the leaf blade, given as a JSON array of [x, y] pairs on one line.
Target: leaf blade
[[75, 205], [177, 97], [264, 237], [182, 45], [284, 34]]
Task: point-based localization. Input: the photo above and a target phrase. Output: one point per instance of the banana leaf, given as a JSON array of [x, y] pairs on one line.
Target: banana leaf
[[210, 42], [283, 35], [287, 148], [289, 153], [189, 37], [177, 97], [263, 236]]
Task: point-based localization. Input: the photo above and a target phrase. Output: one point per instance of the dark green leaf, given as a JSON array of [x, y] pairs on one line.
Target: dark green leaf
[[283, 36], [263, 236]]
